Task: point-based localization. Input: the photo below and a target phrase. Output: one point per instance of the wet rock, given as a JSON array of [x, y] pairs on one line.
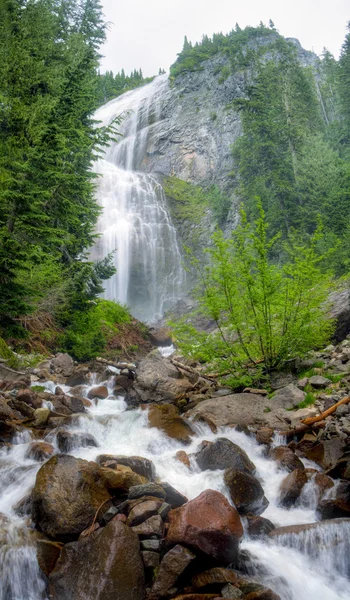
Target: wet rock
[[7, 432], [172, 496], [106, 565], [150, 559], [264, 435], [152, 545], [207, 523], [299, 529], [291, 487], [40, 451], [63, 363], [172, 566], [100, 392], [161, 336], [143, 511], [154, 526], [341, 469], [288, 397], [41, 417], [68, 440], [138, 464], [47, 553], [158, 380], [229, 591], [265, 594], [23, 408], [67, 493], [6, 412], [79, 391], [326, 453], [80, 377], [123, 480], [182, 457], [259, 526], [29, 397], [318, 382], [73, 403], [166, 418], [285, 458], [323, 483], [148, 489], [196, 597], [223, 454], [338, 507], [246, 492], [214, 576]]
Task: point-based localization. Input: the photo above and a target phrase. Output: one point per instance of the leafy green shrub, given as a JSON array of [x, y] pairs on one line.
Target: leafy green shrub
[[7, 354], [265, 313], [87, 337], [38, 388], [309, 400]]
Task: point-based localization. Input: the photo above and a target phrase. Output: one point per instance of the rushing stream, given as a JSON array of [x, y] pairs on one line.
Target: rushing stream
[[135, 222], [311, 566]]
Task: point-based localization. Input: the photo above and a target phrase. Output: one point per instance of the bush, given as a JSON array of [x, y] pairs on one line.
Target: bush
[[265, 313]]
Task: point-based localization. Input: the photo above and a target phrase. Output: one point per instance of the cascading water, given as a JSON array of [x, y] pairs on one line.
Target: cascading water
[[135, 222], [311, 565]]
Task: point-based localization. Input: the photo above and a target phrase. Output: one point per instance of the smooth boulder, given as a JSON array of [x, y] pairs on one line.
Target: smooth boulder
[[291, 487], [166, 418], [246, 492], [223, 454]]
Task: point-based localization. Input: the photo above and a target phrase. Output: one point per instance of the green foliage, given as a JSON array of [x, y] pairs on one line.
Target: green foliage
[[265, 313], [38, 388], [309, 400], [8, 355], [91, 329]]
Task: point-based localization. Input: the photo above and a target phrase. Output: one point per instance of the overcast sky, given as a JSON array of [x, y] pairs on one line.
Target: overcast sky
[[149, 33]]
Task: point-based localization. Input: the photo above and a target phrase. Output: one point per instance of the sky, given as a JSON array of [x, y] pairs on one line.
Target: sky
[[148, 34]]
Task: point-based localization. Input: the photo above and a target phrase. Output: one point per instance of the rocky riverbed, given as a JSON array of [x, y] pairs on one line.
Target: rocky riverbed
[[151, 481]]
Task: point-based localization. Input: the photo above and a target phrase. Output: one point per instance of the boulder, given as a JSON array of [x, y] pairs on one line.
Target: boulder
[[209, 524], [67, 493], [157, 380], [172, 496], [79, 377], [318, 382], [291, 487], [287, 397], [161, 336], [150, 559], [264, 435], [148, 489], [183, 457], [233, 593], [166, 418], [326, 453], [29, 397], [285, 458], [323, 483], [152, 527], [68, 440], [100, 391], [138, 464], [40, 451], [21, 407], [246, 492], [6, 412], [172, 566], [340, 311], [121, 480], [214, 576], [107, 565], [338, 507], [258, 526], [223, 454], [73, 403], [47, 553], [143, 511], [63, 364]]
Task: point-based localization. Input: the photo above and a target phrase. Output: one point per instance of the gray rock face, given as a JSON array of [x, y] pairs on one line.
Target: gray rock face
[[223, 454], [288, 397]]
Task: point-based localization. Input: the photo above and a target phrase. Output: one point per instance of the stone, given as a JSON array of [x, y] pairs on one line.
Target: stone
[[63, 363], [40, 451], [121, 481], [41, 417], [233, 593], [264, 594], [326, 453], [258, 526], [342, 410], [212, 576], [67, 494], [80, 377], [124, 382], [150, 559], [264, 435], [172, 566], [223, 454], [154, 526], [158, 380], [323, 483], [6, 412], [47, 553], [291, 487], [246, 492], [23, 408], [288, 397], [166, 418], [152, 545], [250, 390], [340, 311], [209, 524], [161, 336], [100, 391], [172, 496], [285, 458], [164, 510], [29, 397], [106, 565], [147, 489], [138, 464], [302, 413], [68, 440], [318, 382], [299, 529], [303, 382], [337, 507], [73, 403], [143, 511], [182, 457]]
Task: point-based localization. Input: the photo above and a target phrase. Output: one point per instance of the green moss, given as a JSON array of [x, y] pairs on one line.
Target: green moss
[[7, 354], [38, 388], [309, 400]]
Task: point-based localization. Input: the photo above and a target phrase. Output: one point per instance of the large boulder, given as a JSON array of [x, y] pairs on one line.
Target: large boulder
[[246, 492], [68, 440], [172, 566], [238, 409], [223, 454], [340, 311], [138, 464], [63, 364], [106, 565], [288, 397], [67, 494], [326, 453], [291, 487], [209, 524], [285, 458], [337, 507], [158, 380], [166, 418]]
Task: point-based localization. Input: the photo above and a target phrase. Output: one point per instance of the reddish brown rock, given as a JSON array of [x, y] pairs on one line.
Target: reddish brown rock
[[326, 453], [286, 458], [166, 418], [29, 397], [258, 526], [182, 457], [262, 595], [172, 566], [47, 554], [106, 565], [40, 451], [246, 492], [207, 523], [291, 487], [143, 511], [216, 575], [100, 392], [264, 435], [323, 483]]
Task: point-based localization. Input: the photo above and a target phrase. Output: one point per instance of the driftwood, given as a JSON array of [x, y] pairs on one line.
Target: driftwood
[[326, 413], [191, 370], [290, 433]]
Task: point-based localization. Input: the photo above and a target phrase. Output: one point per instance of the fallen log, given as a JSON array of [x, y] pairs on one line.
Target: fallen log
[[290, 433], [191, 370], [326, 413]]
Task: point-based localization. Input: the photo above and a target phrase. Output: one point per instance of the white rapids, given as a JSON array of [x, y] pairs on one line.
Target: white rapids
[[311, 566], [135, 222]]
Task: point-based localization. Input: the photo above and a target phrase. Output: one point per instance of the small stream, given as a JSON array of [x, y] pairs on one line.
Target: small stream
[[311, 566]]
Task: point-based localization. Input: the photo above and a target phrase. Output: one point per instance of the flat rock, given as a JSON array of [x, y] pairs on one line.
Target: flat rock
[[287, 397], [154, 526]]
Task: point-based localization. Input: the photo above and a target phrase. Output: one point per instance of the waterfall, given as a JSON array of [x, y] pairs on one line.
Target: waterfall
[[135, 221]]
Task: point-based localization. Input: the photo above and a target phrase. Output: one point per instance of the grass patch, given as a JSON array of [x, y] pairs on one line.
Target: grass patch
[[38, 388], [309, 400], [334, 378]]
